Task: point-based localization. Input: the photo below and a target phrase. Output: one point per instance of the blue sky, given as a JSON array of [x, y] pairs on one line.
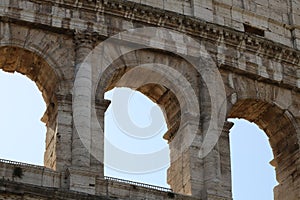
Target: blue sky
[[23, 139]]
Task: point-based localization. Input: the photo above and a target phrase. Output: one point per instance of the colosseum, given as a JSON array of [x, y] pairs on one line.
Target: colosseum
[[201, 61]]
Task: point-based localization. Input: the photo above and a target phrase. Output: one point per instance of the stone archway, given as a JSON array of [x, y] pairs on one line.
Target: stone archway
[[45, 58], [166, 96], [275, 110], [281, 133], [159, 94], [15, 59]]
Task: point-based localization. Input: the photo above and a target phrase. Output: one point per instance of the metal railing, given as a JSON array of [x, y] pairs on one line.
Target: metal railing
[[21, 164], [138, 184]]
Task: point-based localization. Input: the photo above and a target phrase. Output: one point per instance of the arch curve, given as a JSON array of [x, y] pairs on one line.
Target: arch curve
[[146, 81], [15, 59], [273, 109], [51, 47]]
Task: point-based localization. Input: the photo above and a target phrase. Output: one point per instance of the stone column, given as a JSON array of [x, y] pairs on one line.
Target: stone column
[[288, 176], [211, 176], [208, 178], [64, 132], [50, 120], [85, 169], [225, 183], [97, 145], [185, 174], [287, 162], [82, 95]]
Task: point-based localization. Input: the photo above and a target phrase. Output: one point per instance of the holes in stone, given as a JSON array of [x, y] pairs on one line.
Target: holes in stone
[[127, 120], [171, 195], [18, 172], [254, 30]]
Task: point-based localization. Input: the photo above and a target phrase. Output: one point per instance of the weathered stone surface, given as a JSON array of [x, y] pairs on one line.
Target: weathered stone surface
[[253, 44]]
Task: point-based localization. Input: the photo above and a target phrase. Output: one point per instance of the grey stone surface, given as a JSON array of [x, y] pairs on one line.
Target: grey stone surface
[[254, 45]]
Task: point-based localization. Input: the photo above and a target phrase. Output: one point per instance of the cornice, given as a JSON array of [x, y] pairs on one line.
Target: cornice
[[186, 24]]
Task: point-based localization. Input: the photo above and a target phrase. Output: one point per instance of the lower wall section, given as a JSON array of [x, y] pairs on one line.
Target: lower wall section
[[22, 181], [30, 174], [31, 182], [13, 190], [120, 190]]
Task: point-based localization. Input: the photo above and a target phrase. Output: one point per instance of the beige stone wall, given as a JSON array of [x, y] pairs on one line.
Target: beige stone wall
[[41, 183], [35, 175], [178, 6], [48, 40], [279, 19]]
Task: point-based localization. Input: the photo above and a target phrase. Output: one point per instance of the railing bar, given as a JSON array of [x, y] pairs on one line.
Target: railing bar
[[20, 163], [138, 184]]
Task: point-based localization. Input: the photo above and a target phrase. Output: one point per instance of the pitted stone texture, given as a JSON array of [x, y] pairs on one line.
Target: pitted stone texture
[[279, 20], [253, 43], [41, 183]]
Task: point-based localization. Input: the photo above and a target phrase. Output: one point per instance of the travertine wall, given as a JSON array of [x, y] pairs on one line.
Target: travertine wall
[[42, 183], [279, 19], [254, 51]]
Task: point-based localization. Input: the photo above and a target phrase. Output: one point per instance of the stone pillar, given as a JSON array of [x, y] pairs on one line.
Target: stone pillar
[[97, 145], [220, 182], [185, 174], [51, 134], [217, 166], [287, 157], [85, 168], [287, 166], [82, 105], [58, 119], [288, 176], [207, 178], [64, 132]]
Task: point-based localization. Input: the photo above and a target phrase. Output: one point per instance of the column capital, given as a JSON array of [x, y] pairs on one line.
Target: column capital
[[86, 38], [84, 43]]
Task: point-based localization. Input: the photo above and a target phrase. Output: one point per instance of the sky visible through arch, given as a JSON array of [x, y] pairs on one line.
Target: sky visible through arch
[[23, 139]]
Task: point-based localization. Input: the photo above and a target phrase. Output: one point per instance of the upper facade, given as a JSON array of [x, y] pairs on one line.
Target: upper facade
[[276, 20], [201, 61]]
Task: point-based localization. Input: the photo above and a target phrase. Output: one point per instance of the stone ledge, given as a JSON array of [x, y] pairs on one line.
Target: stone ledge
[[8, 188], [158, 17], [42, 183]]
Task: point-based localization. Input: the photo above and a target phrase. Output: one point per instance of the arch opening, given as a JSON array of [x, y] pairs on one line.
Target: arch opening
[[278, 125], [22, 132], [253, 177], [142, 71], [135, 125], [15, 59]]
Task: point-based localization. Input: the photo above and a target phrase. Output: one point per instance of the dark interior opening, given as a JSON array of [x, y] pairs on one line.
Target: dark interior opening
[[254, 30]]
